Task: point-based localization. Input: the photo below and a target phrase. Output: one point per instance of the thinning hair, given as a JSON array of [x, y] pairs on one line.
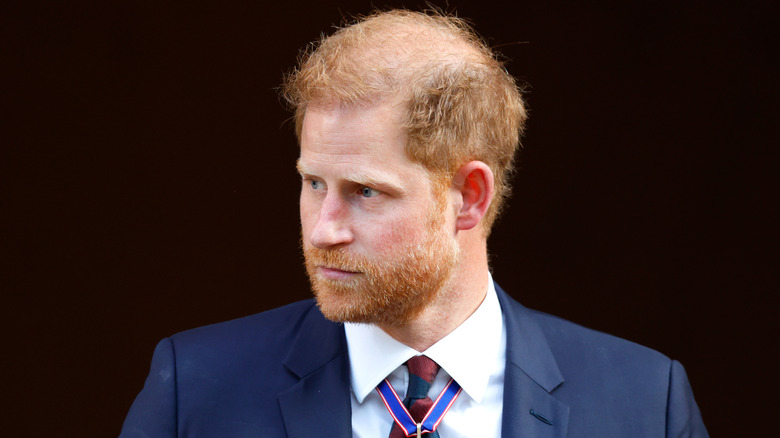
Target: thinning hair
[[458, 101]]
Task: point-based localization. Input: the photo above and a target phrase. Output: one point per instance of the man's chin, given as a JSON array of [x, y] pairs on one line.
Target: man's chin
[[341, 306], [338, 309]]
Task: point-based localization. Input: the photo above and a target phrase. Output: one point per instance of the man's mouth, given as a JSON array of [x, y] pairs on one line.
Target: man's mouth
[[333, 273]]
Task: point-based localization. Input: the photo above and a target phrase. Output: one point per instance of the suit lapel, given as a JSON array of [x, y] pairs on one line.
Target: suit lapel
[[319, 404], [531, 376]]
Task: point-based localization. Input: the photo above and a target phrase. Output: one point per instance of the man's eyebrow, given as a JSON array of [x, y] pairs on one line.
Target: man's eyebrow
[[379, 181], [383, 184]]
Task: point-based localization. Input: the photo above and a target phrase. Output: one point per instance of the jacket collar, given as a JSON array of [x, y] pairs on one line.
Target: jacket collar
[[319, 403], [531, 377]]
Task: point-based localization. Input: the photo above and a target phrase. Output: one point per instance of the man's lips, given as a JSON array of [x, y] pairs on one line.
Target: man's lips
[[336, 273]]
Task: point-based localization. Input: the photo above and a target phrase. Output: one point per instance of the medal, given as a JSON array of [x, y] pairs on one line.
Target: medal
[[432, 418]]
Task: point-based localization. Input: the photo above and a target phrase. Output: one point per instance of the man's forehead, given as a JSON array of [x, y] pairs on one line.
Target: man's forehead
[[363, 144], [391, 105]]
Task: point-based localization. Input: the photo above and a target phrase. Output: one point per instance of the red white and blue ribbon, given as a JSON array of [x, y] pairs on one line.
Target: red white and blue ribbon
[[431, 420]]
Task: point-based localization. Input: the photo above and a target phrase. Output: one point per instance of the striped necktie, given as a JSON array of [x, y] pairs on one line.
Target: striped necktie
[[422, 371]]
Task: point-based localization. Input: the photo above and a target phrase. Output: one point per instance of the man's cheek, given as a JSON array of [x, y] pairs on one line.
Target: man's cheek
[[391, 238]]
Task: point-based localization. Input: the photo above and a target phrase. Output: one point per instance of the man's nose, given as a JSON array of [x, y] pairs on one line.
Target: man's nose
[[332, 225]]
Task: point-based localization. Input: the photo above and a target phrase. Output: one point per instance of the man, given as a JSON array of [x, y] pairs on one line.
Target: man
[[407, 127]]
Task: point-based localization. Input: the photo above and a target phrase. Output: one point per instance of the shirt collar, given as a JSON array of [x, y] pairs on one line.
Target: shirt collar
[[467, 353]]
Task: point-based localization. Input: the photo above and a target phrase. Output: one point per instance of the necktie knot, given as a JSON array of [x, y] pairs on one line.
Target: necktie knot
[[422, 371], [423, 367]]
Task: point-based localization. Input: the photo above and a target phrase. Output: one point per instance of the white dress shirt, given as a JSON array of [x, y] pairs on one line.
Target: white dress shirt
[[474, 354]]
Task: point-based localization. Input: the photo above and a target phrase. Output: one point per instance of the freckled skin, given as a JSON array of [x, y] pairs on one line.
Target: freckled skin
[[340, 143], [373, 232]]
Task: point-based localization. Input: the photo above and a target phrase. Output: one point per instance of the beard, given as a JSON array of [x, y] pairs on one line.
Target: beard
[[388, 291]]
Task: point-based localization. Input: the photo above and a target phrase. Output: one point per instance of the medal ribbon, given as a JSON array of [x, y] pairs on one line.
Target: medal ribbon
[[431, 420]]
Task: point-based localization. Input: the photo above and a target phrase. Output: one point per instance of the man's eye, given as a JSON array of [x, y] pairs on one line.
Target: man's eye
[[368, 192], [315, 185]]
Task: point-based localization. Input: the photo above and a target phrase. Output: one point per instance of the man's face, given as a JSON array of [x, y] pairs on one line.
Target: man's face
[[377, 242]]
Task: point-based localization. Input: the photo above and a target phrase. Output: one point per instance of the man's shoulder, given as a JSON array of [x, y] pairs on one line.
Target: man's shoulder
[[574, 344], [617, 387], [268, 331], [568, 337]]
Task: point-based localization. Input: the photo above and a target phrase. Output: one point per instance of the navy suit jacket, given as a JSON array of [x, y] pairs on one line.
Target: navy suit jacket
[[285, 373]]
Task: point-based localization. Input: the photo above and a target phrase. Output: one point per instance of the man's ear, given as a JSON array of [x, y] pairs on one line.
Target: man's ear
[[474, 182]]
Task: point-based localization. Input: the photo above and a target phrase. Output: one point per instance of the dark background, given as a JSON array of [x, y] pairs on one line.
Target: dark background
[[148, 186]]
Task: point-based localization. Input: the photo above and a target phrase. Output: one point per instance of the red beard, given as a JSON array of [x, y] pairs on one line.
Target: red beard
[[393, 290]]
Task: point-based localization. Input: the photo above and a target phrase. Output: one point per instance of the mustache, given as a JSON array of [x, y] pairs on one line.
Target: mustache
[[335, 259]]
